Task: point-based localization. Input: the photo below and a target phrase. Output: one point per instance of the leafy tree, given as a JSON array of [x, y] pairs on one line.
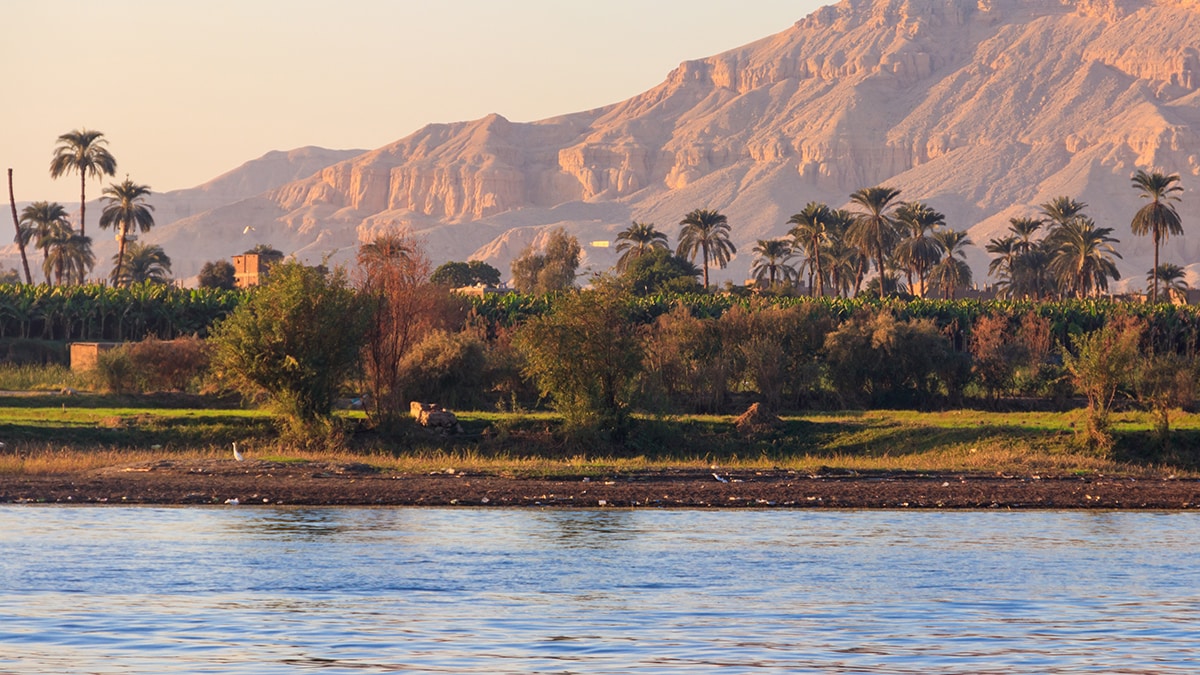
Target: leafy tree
[[218, 274], [142, 263], [1158, 218], [585, 355], [636, 240], [296, 338], [951, 272], [82, 151], [810, 229], [706, 232], [126, 209], [267, 255], [874, 228], [68, 256], [41, 221], [1099, 364], [1171, 278], [1083, 256], [918, 250], [551, 269], [660, 271], [771, 262], [470, 273]]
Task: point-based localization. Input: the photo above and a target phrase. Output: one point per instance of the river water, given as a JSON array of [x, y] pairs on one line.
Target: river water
[[335, 590]]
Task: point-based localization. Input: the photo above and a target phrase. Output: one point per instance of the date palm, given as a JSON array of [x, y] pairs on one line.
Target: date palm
[[1171, 278], [1083, 256], [68, 256], [706, 232], [771, 263], [1158, 218], [874, 228], [637, 240], [918, 251], [142, 263], [1061, 210], [82, 151], [1023, 230], [951, 272], [810, 231], [385, 249], [125, 210], [39, 221]]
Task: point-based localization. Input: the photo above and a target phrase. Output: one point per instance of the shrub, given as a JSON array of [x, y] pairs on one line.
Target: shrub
[[1164, 382], [446, 368], [687, 366], [1102, 362], [153, 365]]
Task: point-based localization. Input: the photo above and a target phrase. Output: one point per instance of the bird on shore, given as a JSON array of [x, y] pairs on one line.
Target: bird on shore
[[236, 454]]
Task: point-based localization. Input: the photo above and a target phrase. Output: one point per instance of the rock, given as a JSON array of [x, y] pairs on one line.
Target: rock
[[433, 416]]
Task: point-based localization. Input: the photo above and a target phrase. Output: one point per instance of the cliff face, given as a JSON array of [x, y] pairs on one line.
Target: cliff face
[[983, 108]]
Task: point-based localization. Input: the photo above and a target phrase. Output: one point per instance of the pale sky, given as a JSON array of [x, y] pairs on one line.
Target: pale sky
[[185, 91]]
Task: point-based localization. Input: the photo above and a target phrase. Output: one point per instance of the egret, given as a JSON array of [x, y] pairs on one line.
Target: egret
[[238, 455]]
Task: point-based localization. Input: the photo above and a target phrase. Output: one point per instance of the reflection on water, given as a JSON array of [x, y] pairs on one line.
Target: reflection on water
[[273, 590]]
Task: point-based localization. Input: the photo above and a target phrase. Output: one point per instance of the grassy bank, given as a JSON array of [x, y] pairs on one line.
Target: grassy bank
[[56, 434]]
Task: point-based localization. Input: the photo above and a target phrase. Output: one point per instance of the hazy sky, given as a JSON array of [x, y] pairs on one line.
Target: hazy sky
[[185, 91]]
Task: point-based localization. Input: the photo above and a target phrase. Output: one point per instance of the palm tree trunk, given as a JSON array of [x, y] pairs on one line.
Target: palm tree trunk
[[12, 200], [82, 200], [704, 251], [879, 266], [120, 256], [1153, 289]]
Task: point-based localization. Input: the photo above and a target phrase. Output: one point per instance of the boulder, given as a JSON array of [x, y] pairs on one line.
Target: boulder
[[434, 416]]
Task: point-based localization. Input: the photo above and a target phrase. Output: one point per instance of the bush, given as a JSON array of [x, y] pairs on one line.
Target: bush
[[152, 366], [446, 368], [687, 367], [1102, 362]]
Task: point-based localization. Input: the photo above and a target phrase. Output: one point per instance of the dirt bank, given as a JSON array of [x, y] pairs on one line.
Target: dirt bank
[[258, 482]]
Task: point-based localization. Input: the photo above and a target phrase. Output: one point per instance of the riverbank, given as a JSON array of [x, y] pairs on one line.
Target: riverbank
[[221, 482]]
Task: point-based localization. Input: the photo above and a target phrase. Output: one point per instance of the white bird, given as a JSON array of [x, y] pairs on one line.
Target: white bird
[[720, 478], [248, 230], [232, 502], [237, 455]]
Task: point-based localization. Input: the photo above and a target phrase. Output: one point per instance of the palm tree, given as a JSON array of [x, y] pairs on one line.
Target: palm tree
[[637, 240], [385, 248], [874, 229], [126, 209], [707, 232], [951, 272], [68, 255], [772, 261], [1171, 277], [810, 228], [40, 220], [83, 152], [142, 263], [1023, 230], [1158, 218], [1061, 210], [1083, 256], [917, 250]]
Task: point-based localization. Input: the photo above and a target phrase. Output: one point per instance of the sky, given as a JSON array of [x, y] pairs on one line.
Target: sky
[[185, 91]]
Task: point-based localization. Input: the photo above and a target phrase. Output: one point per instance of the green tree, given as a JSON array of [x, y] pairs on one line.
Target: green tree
[[550, 269], [660, 271], [706, 232], [1099, 363], [918, 250], [1158, 218], [82, 151], [125, 210], [1083, 256], [142, 263], [771, 263], [1061, 210], [297, 338], [41, 221], [585, 355], [636, 240], [459, 274], [1171, 278], [874, 228], [810, 229], [68, 256], [951, 272], [218, 274]]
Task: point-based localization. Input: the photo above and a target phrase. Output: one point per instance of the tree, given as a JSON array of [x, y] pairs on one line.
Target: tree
[[917, 250], [126, 209], [660, 271], [1099, 364], [470, 273], [706, 232], [1171, 278], [296, 338], [551, 269], [585, 354], [386, 249], [12, 202], [771, 263], [68, 256], [82, 151], [142, 263], [1061, 210], [40, 221], [636, 240], [844, 262], [1083, 256], [218, 274], [1158, 218], [810, 230], [874, 229], [951, 272]]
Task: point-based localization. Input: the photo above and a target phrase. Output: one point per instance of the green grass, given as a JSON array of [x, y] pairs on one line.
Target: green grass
[[38, 378]]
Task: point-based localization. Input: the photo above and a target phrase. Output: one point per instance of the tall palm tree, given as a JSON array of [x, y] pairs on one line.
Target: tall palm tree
[[1158, 218], [1003, 264], [1062, 209], [1023, 230], [82, 151], [874, 229], [918, 251], [810, 231], [1171, 277], [41, 220], [773, 256], [951, 272], [12, 204], [706, 232], [637, 240], [142, 263], [68, 256], [125, 210], [385, 248], [1083, 256]]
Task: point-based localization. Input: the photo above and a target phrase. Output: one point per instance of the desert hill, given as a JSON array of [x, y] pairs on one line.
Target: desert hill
[[982, 108]]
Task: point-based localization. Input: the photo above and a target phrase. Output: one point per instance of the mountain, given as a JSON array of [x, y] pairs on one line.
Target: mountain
[[981, 108]]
